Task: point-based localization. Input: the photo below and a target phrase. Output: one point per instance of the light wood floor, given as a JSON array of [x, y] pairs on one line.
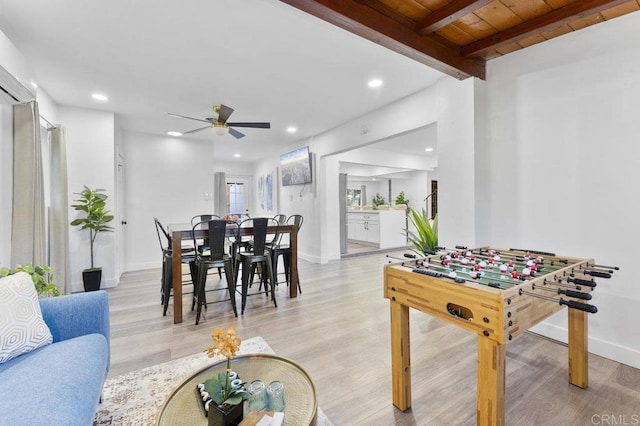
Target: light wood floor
[[338, 330]]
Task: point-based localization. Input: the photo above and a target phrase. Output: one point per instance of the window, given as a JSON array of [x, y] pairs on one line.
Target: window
[[353, 198], [236, 199]]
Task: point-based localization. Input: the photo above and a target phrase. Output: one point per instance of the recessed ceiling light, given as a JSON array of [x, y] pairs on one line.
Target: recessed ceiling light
[[34, 84], [428, 149], [373, 179], [174, 133], [292, 129], [236, 155], [100, 97], [376, 82]]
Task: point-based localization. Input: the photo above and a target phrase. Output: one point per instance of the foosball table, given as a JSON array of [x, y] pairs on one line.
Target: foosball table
[[498, 294]]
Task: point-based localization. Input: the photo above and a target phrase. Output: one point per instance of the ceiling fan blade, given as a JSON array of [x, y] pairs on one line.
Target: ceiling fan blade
[[224, 113], [188, 118], [235, 133], [196, 130], [255, 125]]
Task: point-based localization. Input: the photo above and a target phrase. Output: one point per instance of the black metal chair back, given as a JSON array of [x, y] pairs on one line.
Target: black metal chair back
[[162, 232], [259, 234], [217, 234], [295, 219], [201, 218]]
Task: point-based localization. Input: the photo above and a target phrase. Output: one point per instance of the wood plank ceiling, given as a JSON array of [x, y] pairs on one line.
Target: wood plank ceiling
[[458, 37]]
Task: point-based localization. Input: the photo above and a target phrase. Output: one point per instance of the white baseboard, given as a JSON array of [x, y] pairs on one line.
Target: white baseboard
[[142, 266], [597, 346]]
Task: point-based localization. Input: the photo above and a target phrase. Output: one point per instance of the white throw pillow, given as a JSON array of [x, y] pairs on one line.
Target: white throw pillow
[[22, 328]]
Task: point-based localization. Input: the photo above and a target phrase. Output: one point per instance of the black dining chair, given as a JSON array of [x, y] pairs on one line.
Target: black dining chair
[[202, 219], [188, 257], [280, 218], [203, 244], [283, 248], [214, 256], [258, 255]]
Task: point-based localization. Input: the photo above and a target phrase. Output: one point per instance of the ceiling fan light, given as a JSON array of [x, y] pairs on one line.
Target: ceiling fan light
[[221, 130]]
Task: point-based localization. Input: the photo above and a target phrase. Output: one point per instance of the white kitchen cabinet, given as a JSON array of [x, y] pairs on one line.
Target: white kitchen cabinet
[[383, 228]]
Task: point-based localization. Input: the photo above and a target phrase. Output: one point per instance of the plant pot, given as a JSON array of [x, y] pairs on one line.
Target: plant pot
[[232, 416], [92, 279]]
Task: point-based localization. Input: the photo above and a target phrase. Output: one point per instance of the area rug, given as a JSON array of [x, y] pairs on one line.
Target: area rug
[[135, 398]]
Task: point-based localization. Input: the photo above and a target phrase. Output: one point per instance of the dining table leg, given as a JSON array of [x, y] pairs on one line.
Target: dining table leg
[[176, 260]]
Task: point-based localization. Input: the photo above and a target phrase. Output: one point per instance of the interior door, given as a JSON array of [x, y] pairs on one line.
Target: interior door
[[120, 218]]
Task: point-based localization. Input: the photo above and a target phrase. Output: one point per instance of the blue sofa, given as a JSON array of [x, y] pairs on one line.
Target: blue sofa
[[61, 383]]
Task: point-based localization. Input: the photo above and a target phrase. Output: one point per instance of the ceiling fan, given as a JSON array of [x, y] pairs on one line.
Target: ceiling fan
[[220, 125]]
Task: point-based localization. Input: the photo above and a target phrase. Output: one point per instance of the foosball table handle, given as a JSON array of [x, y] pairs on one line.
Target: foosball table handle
[[598, 274], [576, 294], [579, 281], [580, 306]]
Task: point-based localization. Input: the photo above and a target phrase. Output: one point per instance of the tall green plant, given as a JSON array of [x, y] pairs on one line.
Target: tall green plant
[[92, 203], [425, 239]]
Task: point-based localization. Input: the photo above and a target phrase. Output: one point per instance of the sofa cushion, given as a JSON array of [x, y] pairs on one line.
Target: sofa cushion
[[22, 328], [59, 384]]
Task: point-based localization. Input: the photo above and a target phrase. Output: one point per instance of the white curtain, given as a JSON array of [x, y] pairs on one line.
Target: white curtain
[[59, 211], [28, 233], [219, 194]]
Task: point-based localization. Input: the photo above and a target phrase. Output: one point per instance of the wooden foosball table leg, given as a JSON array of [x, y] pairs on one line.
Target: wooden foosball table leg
[[578, 348], [400, 356], [491, 382]]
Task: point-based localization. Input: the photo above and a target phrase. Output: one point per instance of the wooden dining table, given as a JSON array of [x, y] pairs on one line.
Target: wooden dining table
[[184, 232]]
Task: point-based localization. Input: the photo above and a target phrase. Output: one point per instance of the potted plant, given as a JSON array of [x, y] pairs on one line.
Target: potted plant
[[41, 275], [223, 394], [425, 239], [377, 200], [401, 200], [92, 203]]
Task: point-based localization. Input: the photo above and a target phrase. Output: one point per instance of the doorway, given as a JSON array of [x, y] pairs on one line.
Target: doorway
[[238, 195]]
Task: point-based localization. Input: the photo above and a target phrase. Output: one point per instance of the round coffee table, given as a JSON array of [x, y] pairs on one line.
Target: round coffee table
[[183, 407]]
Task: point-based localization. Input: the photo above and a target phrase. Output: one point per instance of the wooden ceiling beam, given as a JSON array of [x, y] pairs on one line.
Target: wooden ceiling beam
[[448, 15], [360, 19], [564, 15]]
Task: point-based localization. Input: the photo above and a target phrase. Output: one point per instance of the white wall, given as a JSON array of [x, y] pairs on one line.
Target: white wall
[[456, 154], [90, 161], [562, 127], [294, 199]]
